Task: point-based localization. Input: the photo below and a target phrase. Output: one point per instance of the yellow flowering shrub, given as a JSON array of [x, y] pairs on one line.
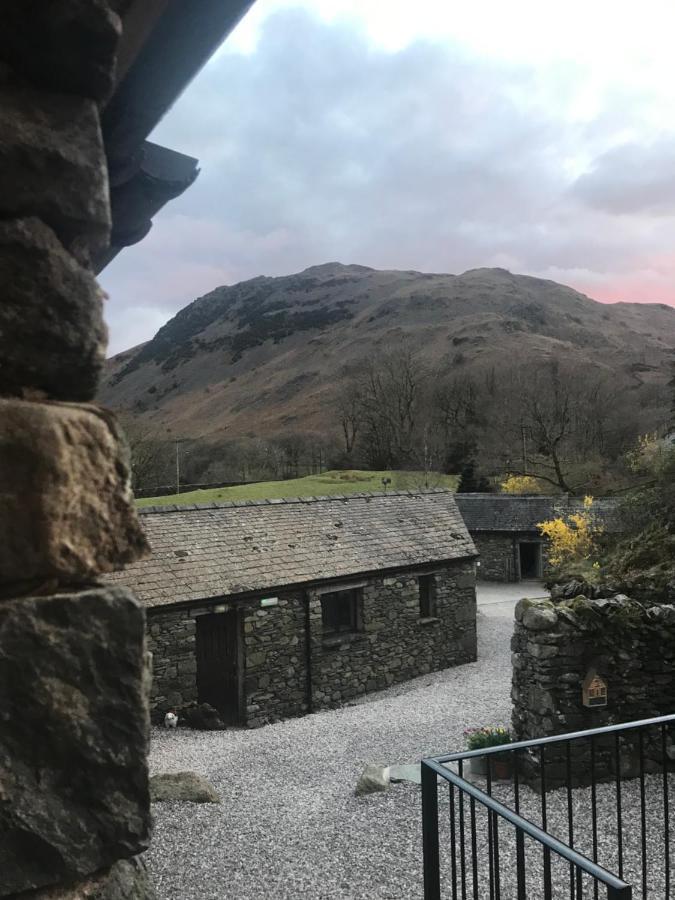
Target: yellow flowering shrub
[[572, 539], [521, 484]]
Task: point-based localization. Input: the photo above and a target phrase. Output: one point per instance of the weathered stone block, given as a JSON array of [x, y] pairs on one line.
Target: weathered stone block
[[64, 487], [52, 336], [63, 45], [187, 786], [73, 741], [373, 779], [128, 879], [52, 165], [540, 617]]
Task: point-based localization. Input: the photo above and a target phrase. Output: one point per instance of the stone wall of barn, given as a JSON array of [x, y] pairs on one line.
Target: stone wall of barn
[[498, 554], [631, 646], [392, 644], [276, 670], [171, 641], [275, 674], [74, 805]]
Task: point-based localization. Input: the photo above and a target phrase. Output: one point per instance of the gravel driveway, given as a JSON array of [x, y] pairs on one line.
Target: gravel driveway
[[289, 825]]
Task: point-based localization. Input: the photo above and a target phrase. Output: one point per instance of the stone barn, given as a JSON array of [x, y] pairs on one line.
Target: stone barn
[[504, 529], [275, 608]]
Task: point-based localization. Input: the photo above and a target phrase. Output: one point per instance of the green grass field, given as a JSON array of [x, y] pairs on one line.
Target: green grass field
[[339, 482]]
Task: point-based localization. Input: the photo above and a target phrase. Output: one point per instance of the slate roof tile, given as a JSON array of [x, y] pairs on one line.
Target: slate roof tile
[[236, 547], [509, 512]]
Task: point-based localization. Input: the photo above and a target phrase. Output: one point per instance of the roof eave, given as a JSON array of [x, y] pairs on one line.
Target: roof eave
[[242, 596], [164, 44]]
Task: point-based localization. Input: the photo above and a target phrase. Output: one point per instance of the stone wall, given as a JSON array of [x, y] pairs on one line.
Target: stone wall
[[630, 645], [73, 671], [393, 644], [498, 554], [275, 676], [276, 662]]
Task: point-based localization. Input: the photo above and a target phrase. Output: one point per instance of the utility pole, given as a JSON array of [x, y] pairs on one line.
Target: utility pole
[[179, 441], [522, 434]]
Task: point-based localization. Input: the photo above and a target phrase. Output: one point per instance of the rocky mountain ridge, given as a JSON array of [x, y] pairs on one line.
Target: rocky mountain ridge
[[263, 356]]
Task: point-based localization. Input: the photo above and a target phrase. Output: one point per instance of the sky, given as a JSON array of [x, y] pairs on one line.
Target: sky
[[437, 136]]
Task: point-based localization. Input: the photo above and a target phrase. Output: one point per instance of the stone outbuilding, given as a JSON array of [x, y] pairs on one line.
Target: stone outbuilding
[[504, 530], [274, 608]]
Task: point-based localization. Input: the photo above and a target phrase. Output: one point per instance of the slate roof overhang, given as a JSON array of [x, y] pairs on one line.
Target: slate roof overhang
[[164, 44], [220, 550]]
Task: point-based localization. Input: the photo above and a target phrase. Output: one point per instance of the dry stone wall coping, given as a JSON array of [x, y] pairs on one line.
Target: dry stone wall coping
[[74, 675], [74, 790], [559, 646], [52, 336], [64, 486]]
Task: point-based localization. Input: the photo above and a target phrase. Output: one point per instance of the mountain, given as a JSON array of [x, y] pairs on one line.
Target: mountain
[[263, 357]]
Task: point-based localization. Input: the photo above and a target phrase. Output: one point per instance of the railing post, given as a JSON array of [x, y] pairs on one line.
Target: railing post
[[625, 893], [432, 869]]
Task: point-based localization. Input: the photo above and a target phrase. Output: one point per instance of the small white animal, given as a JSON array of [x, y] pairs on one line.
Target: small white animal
[[170, 720]]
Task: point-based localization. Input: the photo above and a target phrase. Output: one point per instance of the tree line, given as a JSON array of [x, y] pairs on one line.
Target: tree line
[[565, 424]]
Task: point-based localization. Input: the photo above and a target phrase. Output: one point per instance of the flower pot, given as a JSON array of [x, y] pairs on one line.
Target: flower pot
[[501, 767], [478, 765]]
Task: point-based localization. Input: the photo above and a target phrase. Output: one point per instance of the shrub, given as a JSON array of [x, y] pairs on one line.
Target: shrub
[[521, 484], [480, 738], [572, 539]]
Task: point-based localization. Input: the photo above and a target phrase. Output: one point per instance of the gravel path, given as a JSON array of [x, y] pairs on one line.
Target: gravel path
[[289, 825]]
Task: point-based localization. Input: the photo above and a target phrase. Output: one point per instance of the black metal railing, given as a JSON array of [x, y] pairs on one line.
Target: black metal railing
[[602, 799]]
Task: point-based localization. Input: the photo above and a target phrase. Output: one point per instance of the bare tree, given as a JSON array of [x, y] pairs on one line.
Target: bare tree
[[151, 456], [349, 411], [557, 423], [387, 393]]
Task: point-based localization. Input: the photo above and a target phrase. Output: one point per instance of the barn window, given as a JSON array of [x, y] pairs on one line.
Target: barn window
[[339, 611], [427, 592]]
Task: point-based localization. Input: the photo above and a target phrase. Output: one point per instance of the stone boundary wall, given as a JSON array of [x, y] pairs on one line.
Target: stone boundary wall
[[74, 800], [392, 645], [630, 645]]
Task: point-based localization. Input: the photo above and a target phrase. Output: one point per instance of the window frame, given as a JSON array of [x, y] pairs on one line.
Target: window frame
[[426, 589], [351, 596]]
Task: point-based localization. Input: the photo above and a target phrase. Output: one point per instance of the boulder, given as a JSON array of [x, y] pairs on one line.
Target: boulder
[[73, 736], [64, 486], [201, 716], [127, 879], [373, 779], [540, 617], [53, 166], [410, 772], [182, 786], [570, 589], [52, 336]]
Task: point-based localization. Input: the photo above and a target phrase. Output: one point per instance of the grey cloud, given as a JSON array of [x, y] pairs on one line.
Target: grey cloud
[[631, 179], [319, 147]]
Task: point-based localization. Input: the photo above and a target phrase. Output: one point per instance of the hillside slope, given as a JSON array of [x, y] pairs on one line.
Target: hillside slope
[[263, 357]]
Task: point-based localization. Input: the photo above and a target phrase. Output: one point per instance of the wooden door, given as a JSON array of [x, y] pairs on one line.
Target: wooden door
[[218, 663]]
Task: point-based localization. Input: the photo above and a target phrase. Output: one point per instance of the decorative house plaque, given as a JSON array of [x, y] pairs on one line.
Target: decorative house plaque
[[594, 690]]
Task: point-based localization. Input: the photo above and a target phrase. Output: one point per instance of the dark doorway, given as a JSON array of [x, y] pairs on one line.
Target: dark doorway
[[530, 560], [218, 663]]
